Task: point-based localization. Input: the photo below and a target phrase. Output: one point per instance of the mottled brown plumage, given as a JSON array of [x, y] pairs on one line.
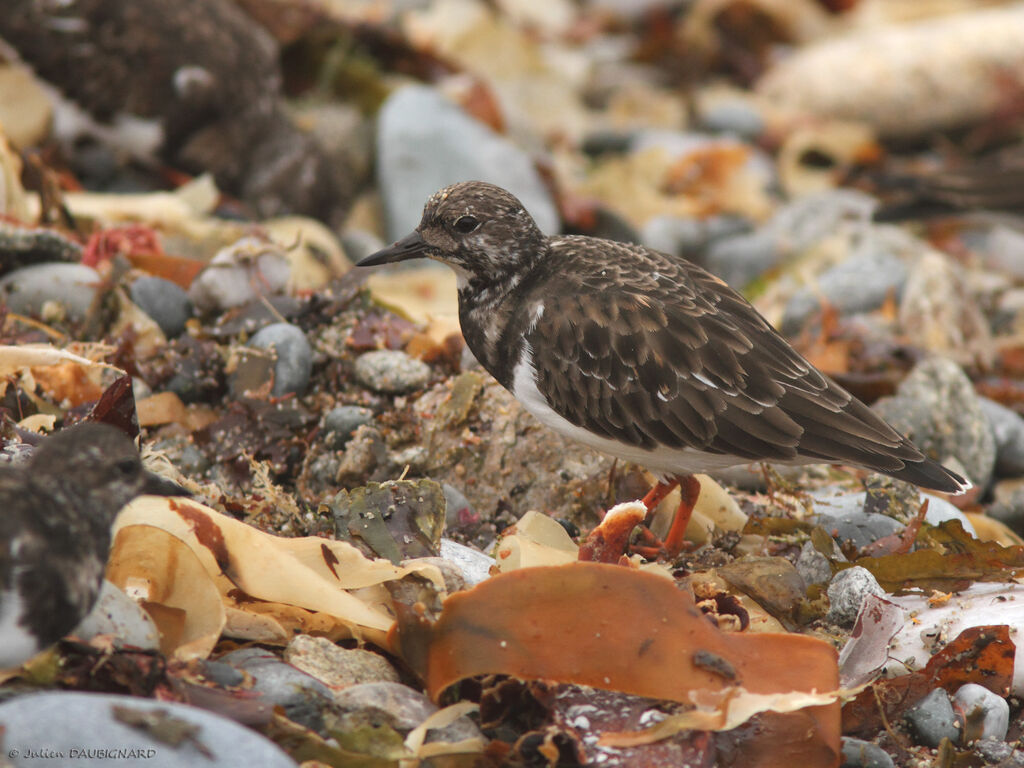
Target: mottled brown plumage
[[55, 532], [643, 355]]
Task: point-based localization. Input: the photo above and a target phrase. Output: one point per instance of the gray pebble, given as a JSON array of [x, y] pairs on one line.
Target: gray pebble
[[398, 706], [302, 697], [165, 302], [340, 422], [846, 594], [869, 274], [294, 356], [690, 237], [44, 730], [937, 408], [473, 564], [192, 461], [1008, 431], [813, 566], [358, 244], [222, 674], [458, 511], [238, 273], [117, 614], [932, 719], [335, 666], [993, 751], [864, 754], [28, 290], [1003, 251], [795, 227], [976, 702], [1010, 511], [845, 519], [391, 371], [733, 116], [425, 142], [741, 259]]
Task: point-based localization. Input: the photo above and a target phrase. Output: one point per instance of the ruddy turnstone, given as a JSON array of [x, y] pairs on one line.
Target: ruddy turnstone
[[643, 355], [55, 532]]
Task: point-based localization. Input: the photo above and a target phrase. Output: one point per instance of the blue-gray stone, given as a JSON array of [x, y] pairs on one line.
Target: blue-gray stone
[[937, 408], [69, 729], [864, 754], [28, 289], [978, 703], [869, 274], [1008, 431], [741, 259], [302, 697], [932, 719], [294, 356], [340, 422], [733, 116], [425, 142], [165, 302]]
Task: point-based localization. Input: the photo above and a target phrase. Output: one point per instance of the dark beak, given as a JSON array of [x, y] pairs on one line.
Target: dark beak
[[155, 485], [409, 247]]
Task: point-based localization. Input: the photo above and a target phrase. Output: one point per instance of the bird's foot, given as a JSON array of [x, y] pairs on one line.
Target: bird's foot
[[609, 542], [674, 542]]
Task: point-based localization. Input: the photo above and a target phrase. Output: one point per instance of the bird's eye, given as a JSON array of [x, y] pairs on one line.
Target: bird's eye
[[127, 467], [466, 224]]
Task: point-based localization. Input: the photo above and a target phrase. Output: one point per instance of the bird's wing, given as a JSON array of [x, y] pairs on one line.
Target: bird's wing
[[670, 356]]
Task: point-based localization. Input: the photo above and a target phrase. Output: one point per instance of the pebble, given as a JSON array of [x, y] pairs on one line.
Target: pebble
[[813, 567], [1003, 251], [986, 715], [341, 421], [458, 511], [932, 719], [302, 697], [474, 565], [397, 706], [1008, 432], [937, 408], [867, 276], [864, 754], [335, 666], [69, 729], [846, 594], [845, 518], [732, 116], [33, 290], [165, 302], [425, 142], [237, 274], [997, 751], [358, 244], [741, 259], [1009, 510], [391, 371], [690, 237], [117, 614], [795, 227], [294, 356]]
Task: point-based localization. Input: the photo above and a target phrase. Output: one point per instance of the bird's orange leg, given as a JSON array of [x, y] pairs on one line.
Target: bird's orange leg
[[689, 490], [658, 493]]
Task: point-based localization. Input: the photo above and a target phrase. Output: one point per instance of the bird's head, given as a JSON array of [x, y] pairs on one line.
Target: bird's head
[[97, 463], [479, 230]]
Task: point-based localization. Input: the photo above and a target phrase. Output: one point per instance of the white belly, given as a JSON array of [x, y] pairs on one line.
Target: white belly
[[663, 462], [17, 645]]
